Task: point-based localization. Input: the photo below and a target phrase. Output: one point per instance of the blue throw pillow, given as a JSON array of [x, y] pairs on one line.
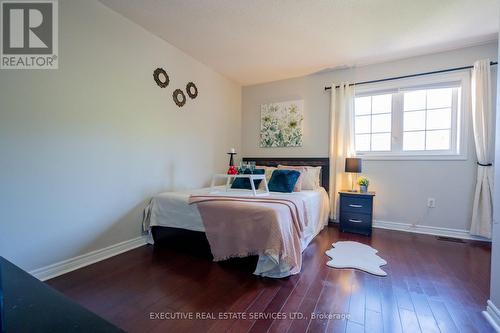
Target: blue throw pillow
[[244, 183], [283, 181]]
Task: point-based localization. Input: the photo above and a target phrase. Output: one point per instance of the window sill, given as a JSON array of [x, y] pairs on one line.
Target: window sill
[[454, 157]]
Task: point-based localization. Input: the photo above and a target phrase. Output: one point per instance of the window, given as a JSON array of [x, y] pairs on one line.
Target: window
[[428, 118], [372, 123], [417, 118]]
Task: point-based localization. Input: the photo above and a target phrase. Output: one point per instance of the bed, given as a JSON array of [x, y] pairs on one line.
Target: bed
[[173, 222]]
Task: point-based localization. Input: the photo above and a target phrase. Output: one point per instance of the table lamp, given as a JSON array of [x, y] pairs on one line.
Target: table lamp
[[353, 165]]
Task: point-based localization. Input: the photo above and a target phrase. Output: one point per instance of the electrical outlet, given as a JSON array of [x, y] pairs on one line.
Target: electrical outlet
[[431, 202]]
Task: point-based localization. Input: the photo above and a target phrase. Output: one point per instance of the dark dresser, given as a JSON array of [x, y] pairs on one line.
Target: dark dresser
[[356, 212], [29, 305]]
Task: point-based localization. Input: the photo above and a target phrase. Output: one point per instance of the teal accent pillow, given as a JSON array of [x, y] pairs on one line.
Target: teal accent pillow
[[244, 183], [283, 181]]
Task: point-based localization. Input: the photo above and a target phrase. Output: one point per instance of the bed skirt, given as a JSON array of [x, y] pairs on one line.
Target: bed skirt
[[195, 243]]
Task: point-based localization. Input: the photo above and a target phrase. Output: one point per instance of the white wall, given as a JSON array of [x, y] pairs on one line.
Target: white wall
[[402, 186], [82, 147], [495, 243]]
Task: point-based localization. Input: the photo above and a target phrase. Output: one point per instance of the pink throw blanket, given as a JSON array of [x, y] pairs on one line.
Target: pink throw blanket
[[243, 226]]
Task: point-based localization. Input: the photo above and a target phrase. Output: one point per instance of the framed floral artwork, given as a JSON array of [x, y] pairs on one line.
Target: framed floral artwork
[[281, 124]]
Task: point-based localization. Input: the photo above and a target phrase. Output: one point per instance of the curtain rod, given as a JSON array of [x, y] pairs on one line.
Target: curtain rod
[[412, 75]]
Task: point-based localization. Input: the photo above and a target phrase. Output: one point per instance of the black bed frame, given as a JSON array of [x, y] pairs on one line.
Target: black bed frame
[[323, 162], [195, 242]]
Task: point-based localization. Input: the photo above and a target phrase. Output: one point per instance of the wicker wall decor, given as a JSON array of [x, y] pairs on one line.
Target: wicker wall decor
[[192, 90], [163, 80], [179, 97], [161, 77]]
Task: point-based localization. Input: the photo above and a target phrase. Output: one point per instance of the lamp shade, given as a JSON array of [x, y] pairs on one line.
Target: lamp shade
[[353, 165]]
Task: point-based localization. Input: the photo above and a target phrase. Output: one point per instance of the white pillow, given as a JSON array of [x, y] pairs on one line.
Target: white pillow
[[310, 178]]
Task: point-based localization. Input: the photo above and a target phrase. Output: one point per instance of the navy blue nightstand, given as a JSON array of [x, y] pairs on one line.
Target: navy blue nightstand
[[356, 212]]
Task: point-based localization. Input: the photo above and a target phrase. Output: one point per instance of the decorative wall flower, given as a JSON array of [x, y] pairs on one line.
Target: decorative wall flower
[[161, 77], [192, 90], [179, 97]]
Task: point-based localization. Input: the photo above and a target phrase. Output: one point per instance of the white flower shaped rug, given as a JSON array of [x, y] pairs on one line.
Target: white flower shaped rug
[[355, 255]]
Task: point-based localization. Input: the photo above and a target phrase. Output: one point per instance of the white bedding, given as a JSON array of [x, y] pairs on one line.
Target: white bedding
[[171, 209]]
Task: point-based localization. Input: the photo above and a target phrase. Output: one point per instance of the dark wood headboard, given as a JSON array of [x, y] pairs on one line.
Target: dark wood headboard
[[323, 162]]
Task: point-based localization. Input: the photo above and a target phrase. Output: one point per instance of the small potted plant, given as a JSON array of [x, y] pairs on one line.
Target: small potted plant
[[363, 183]]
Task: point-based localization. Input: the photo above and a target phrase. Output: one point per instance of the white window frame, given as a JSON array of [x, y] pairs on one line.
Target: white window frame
[[459, 135]]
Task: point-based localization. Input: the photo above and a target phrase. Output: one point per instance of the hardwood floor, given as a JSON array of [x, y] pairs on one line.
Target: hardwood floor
[[432, 286]]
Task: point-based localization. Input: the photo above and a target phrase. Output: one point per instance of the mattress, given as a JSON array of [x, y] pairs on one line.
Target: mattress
[[171, 209]]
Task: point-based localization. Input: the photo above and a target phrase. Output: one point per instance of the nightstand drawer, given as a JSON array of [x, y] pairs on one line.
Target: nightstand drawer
[[361, 223], [356, 204]]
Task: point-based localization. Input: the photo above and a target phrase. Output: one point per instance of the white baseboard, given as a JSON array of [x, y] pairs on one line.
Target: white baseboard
[[65, 266], [428, 230], [492, 315]]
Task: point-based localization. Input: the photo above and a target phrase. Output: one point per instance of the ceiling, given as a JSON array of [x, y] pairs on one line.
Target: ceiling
[[254, 41]]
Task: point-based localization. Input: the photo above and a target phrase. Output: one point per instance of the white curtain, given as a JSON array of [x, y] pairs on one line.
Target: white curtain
[[482, 121], [341, 141]]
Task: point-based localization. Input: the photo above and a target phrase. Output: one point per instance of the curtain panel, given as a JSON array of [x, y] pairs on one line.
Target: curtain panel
[[482, 122], [341, 141]]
